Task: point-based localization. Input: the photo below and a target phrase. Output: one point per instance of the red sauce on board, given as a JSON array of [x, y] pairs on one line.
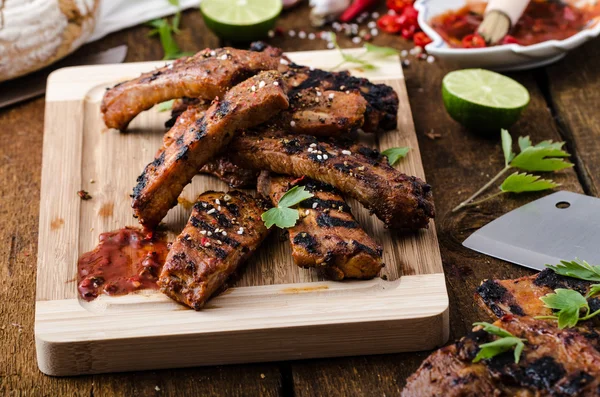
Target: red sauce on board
[[124, 261], [541, 21]]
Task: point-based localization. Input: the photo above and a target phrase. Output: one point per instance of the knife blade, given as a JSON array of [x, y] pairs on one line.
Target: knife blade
[[560, 226], [34, 84]]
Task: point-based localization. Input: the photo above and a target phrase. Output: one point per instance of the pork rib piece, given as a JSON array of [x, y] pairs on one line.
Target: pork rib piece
[[400, 201], [554, 363], [224, 229], [208, 74], [247, 104], [327, 236]]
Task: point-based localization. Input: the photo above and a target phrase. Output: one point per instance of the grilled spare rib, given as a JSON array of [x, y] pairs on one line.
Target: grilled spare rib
[[400, 201], [208, 74], [223, 231], [554, 363], [247, 104], [521, 296], [327, 236]]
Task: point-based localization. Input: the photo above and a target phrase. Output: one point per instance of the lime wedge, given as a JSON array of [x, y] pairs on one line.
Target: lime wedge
[[240, 20], [482, 100]]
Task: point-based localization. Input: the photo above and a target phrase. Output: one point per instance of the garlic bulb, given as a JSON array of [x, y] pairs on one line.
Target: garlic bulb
[[325, 10], [35, 33]]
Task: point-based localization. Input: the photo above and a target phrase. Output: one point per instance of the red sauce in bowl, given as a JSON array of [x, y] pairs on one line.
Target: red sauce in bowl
[[124, 261], [541, 21]]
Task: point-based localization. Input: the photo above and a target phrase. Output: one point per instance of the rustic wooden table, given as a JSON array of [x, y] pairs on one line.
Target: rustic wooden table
[[565, 99]]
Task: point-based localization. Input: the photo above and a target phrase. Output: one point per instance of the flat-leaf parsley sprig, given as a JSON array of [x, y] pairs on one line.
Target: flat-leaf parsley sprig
[[283, 216], [165, 31], [380, 52], [546, 156], [394, 154], [504, 343]]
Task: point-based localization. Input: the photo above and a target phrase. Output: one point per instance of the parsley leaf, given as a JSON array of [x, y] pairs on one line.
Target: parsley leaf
[[577, 269], [545, 156], [506, 342], [382, 52], [568, 303], [282, 216], [395, 153], [519, 183], [542, 158], [507, 146], [165, 106], [594, 290]]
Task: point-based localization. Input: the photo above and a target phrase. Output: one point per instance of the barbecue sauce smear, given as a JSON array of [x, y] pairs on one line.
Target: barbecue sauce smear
[[124, 261]]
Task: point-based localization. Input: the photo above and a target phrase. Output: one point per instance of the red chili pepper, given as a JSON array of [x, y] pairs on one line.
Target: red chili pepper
[[357, 8], [508, 39], [421, 39], [398, 5], [389, 24], [473, 41]]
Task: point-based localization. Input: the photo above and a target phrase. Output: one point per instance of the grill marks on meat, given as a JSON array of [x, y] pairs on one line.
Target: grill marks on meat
[[248, 104], [521, 296], [222, 232], [327, 236], [400, 201], [233, 175], [554, 363], [207, 74], [382, 101]]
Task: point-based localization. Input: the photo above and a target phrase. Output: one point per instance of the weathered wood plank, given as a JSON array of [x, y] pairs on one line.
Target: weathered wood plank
[[21, 153], [573, 85]]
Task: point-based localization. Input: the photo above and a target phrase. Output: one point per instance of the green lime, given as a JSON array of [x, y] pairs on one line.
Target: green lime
[[240, 20], [482, 100]]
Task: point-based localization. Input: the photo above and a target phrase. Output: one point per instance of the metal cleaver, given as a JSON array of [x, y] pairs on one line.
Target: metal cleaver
[[561, 226], [34, 84]]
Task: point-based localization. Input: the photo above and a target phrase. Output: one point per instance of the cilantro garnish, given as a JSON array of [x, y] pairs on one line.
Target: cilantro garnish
[[544, 157], [506, 342], [395, 153], [283, 216], [165, 31], [570, 306], [381, 52], [577, 269]]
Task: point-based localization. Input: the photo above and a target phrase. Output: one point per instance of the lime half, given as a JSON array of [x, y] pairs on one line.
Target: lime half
[[240, 20], [482, 100]]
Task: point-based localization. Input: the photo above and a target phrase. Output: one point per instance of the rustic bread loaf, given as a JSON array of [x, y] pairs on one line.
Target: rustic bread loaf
[[36, 33]]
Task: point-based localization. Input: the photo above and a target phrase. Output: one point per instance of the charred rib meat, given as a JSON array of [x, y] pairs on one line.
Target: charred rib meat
[[224, 229], [208, 74], [400, 201], [554, 363], [327, 236], [248, 104]]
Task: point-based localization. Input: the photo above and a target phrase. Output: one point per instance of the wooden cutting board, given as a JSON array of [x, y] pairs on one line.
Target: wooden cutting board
[[276, 311]]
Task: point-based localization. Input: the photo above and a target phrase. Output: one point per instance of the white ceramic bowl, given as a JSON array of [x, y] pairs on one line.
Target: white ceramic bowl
[[502, 57]]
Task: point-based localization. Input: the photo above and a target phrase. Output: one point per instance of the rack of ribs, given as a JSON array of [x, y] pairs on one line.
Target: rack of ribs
[[399, 200], [207, 74], [327, 236], [554, 363], [248, 104], [223, 231]]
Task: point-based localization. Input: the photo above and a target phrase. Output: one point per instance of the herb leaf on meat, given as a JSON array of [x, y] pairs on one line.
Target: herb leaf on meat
[[283, 216], [577, 269], [506, 342]]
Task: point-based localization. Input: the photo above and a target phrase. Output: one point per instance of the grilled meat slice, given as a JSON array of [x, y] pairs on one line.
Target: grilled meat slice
[[400, 201], [327, 236], [184, 121], [521, 296], [223, 231], [249, 103], [554, 363], [208, 74], [382, 101], [235, 176]]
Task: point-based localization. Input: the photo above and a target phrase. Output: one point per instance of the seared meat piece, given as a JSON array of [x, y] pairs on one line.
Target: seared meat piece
[[184, 121], [208, 74], [181, 105], [521, 297], [554, 363], [224, 229], [249, 103], [382, 101], [233, 175], [400, 201], [327, 236]]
